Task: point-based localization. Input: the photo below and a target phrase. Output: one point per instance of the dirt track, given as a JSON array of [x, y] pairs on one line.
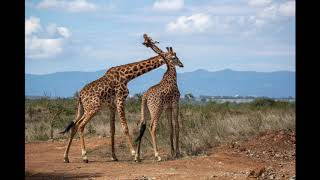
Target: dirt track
[[272, 153]]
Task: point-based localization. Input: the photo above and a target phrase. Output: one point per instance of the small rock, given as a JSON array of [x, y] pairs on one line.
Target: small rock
[[257, 172], [213, 176], [242, 149], [272, 176], [172, 169]]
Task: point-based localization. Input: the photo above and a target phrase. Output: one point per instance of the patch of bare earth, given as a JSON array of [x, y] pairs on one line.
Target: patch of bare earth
[[270, 155]]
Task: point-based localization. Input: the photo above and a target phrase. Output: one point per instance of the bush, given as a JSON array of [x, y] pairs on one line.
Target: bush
[[263, 102]]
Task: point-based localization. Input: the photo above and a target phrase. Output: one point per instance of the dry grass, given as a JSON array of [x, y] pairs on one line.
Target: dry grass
[[202, 126]]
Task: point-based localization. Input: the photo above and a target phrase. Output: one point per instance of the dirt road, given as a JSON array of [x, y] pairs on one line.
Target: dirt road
[[266, 156]]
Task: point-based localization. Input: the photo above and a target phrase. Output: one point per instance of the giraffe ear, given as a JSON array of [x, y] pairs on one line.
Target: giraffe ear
[[167, 48]]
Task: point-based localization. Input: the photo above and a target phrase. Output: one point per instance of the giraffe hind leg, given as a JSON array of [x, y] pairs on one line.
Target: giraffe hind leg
[[73, 132], [123, 121], [86, 119], [112, 132], [155, 114]]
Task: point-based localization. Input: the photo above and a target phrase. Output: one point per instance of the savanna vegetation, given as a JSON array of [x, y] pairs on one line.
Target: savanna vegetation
[[202, 124]]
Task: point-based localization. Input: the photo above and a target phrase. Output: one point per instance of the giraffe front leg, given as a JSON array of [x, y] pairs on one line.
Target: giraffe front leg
[[155, 115], [175, 113], [153, 129], [123, 121], [169, 117], [112, 132], [137, 156]]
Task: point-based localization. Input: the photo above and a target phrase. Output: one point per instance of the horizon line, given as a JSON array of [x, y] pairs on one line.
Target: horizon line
[[225, 69]]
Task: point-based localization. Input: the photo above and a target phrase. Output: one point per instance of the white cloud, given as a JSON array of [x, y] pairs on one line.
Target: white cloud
[[44, 47], [71, 5], [169, 5], [256, 16], [275, 13], [269, 12], [51, 29], [37, 48], [63, 31], [32, 25], [225, 9], [189, 24], [288, 8], [259, 3]]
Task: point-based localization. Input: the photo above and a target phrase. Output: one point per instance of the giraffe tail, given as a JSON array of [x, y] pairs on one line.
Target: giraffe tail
[[143, 119], [72, 123]]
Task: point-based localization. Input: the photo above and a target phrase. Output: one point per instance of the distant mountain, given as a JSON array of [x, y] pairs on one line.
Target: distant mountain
[[200, 82]]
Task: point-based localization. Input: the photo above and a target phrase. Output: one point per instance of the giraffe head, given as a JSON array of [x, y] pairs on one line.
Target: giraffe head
[[171, 57]]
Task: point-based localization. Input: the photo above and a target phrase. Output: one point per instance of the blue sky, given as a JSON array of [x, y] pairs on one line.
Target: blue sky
[[84, 35]]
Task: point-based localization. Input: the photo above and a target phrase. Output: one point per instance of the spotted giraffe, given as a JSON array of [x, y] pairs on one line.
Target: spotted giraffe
[[110, 90], [164, 95]]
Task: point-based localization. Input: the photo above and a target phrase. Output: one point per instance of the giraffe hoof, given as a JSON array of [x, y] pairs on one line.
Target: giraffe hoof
[[86, 161], [137, 160], [158, 158], [114, 159], [66, 160], [133, 153], [172, 154], [178, 155]]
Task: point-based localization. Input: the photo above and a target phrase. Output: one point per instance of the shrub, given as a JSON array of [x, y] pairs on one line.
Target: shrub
[[262, 102]]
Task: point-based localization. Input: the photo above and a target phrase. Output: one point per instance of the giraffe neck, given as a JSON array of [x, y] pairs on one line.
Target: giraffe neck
[[171, 72], [133, 70]]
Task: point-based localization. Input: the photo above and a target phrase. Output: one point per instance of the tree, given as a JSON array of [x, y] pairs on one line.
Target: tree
[[138, 96], [76, 95], [189, 97], [55, 111], [31, 112]]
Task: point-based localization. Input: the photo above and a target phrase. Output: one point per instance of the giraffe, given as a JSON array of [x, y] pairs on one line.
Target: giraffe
[[164, 95], [110, 90]]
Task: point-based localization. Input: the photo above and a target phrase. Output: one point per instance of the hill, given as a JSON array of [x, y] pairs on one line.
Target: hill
[[200, 82]]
